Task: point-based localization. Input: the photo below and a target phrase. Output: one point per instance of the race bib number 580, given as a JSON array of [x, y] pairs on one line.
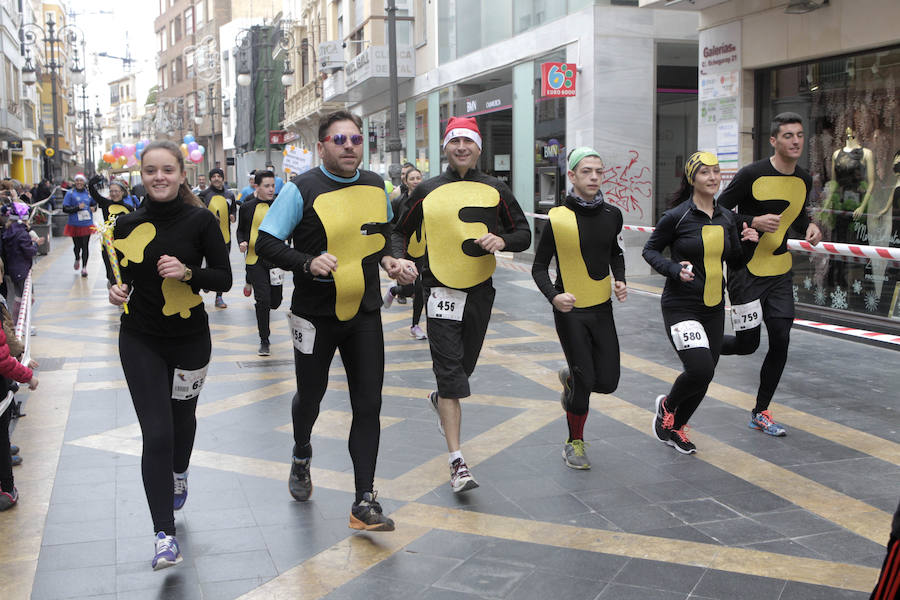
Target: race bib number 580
[[689, 334]]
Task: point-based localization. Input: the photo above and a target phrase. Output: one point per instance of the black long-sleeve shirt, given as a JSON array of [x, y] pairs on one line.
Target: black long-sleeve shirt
[[223, 205], [250, 217], [346, 217], [704, 241], [168, 307], [595, 236], [760, 189], [107, 206], [451, 212]]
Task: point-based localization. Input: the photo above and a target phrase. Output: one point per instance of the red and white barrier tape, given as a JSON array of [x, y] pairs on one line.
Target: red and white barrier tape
[[860, 333], [833, 248], [23, 320]]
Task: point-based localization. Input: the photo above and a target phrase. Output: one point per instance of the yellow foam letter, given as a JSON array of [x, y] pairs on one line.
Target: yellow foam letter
[[258, 214], [713, 247], [765, 263], [343, 213], [218, 205], [578, 282], [447, 232]]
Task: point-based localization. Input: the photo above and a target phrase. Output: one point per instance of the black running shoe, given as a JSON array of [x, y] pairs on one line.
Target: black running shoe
[[367, 516], [264, 349], [299, 482], [663, 420], [681, 442]]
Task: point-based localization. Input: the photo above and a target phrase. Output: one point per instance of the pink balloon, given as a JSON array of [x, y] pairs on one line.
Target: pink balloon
[[119, 151], [130, 149], [196, 156]]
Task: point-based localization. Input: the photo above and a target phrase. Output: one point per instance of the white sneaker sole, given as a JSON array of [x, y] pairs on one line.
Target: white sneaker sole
[[163, 564], [573, 465], [674, 445], [653, 420], [464, 485]]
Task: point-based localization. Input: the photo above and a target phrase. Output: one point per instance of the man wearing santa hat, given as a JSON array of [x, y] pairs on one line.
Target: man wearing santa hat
[[462, 217]]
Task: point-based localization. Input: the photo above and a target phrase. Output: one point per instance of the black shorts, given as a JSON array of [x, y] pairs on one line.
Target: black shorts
[[455, 345], [775, 294]]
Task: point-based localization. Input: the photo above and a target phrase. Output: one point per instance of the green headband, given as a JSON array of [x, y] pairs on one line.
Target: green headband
[[580, 153], [697, 160]]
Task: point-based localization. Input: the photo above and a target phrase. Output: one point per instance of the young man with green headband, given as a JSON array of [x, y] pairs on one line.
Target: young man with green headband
[[584, 237]]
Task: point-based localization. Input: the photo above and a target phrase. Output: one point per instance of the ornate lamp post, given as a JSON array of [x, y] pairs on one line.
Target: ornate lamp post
[[31, 34]]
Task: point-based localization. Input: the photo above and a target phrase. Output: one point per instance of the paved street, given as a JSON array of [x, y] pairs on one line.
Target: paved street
[[749, 516]]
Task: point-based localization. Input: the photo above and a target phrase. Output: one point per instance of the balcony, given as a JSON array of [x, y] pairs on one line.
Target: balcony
[[368, 73], [305, 103]]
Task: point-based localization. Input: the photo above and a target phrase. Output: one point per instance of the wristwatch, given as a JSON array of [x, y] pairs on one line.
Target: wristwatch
[[187, 274]]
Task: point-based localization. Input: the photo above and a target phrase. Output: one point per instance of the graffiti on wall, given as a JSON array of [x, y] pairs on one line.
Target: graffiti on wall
[[628, 186]]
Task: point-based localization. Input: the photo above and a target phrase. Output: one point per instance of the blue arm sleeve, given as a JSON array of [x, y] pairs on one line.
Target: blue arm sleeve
[[285, 213]]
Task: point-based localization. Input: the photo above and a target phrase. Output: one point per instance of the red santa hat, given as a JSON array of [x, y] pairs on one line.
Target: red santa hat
[[465, 127], [81, 177]]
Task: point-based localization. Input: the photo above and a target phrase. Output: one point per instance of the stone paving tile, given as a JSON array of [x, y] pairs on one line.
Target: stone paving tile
[[737, 586]]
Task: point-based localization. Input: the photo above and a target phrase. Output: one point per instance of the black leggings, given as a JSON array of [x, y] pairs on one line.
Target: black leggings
[[591, 346], [699, 363], [167, 425], [361, 342], [81, 248], [746, 342], [267, 297], [6, 472]]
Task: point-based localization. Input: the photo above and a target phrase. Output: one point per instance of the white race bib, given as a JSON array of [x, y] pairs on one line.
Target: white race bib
[[276, 276], [303, 334], [746, 316], [446, 303], [186, 385], [84, 215], [689, 334]]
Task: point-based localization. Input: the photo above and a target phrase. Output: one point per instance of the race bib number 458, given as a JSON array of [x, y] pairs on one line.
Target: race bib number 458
[[689, 334]]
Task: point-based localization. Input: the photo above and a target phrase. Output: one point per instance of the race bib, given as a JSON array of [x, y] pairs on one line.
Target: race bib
[[84, 215], [276, 276], [186, 385], [689, 334], [446, 303], [746, 316], [303, 334]]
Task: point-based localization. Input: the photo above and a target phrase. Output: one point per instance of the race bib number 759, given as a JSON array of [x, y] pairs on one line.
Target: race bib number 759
[[746, 316]]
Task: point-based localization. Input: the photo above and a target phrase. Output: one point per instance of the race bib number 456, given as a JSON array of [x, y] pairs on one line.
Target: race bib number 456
[[446, 303], [689, 334]]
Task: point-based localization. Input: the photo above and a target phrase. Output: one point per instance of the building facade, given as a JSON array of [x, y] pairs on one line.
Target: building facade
[[837, 65]]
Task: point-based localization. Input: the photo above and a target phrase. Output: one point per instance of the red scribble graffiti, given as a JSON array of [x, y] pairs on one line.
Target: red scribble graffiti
[[627, 186]]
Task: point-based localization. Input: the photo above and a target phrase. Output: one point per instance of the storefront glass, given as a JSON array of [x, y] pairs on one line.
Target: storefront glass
[[379, 129], [549, 148], [852, 123]]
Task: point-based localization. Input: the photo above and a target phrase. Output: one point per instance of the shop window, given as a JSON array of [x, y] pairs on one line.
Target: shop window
[[851, 118]]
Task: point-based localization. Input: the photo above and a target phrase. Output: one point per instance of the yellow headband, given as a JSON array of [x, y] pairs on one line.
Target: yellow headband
[[697, 160]]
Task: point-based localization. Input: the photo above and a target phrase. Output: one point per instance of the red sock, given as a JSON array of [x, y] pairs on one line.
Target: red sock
[[576, 425]]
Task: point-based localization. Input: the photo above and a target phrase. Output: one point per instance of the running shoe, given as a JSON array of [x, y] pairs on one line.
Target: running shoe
[[388, 298], [461, 479], [248, 289], [299, 482], [167, 552], [663, 420], [366, 515], [8, 500], [16, 460], [180, 490], [401, 299], [566, 382], [433, 402], [417, 332], [764, 422], [84, 272], [264, 349], [681, 442], [220, 302], [13, 449], [77, 264], [573, 454]]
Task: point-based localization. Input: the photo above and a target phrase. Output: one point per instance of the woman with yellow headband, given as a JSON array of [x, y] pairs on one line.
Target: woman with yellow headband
[[700, 235]]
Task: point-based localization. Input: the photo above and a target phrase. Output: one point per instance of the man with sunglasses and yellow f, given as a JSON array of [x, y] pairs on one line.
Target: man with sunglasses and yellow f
[[338, 219]]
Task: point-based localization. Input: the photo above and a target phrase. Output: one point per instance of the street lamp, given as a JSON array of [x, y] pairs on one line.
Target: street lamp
[[31, 34], [265, 39]]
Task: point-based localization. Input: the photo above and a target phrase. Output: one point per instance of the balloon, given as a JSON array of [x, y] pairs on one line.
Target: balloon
[[201, 149], [192, 146], [130, 149], [188, 138], [108, 157], [139, 145], [196, 156], [184, 149], [132, 161]]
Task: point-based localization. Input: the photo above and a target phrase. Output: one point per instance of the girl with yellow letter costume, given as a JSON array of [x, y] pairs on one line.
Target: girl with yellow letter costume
[[700, 235], [584, 238], [164, 340], [464, 216]]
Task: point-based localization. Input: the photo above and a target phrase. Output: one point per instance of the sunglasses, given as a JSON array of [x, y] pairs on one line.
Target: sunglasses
[[340, 139]]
